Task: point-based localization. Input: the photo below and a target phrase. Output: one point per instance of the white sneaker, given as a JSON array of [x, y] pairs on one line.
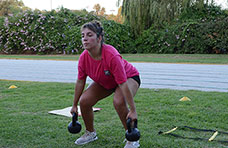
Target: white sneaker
[[132, 144], [86, 138]]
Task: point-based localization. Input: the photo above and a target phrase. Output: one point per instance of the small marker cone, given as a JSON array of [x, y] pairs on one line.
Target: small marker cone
[[12, 86], [185, 99]]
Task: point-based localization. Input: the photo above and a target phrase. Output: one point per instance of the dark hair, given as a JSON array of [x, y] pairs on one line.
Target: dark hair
[[96, 27]]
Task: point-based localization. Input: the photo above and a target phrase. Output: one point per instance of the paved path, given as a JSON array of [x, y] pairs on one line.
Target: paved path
[[154, 75]]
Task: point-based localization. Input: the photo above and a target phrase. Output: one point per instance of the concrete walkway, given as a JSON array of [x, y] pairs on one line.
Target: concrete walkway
[[153, 75]]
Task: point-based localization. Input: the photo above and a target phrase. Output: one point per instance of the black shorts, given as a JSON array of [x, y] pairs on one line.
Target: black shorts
[[137, 79]]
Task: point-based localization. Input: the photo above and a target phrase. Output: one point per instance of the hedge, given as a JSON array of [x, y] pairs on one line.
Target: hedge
[[205, 32], [56, 32]]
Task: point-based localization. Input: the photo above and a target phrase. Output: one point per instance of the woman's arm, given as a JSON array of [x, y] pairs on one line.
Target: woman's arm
[[129, 98], [79, 87]]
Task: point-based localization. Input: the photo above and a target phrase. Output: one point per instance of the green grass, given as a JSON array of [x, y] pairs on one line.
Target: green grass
[[41, 57], [160, 58], [25, 122]]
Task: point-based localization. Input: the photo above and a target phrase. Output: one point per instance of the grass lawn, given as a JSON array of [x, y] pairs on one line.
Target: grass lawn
[[25, 122], [160, 58]]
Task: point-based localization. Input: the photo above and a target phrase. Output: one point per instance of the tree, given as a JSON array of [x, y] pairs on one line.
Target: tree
[[142, 14], [11, 7], [117, 18], [102, 11], [98, 10]]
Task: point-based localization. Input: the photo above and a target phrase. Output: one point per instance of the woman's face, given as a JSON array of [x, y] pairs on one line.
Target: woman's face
[[89, 39]]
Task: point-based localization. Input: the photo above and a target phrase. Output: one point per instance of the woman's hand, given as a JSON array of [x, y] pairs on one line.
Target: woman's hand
[[132, 115], [74, 109]]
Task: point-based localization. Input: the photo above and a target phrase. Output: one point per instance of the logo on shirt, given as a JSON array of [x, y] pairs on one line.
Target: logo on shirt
[[107, 73]]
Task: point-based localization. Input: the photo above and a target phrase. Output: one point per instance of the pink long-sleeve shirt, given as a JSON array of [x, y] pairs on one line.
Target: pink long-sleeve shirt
[[110, 71]]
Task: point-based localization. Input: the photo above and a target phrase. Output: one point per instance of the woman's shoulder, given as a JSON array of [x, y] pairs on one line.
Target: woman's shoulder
[[110, 50], [85, 52], [83, 56]]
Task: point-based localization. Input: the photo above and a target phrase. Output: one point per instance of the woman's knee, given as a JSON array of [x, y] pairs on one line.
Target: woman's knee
[[85, 101]]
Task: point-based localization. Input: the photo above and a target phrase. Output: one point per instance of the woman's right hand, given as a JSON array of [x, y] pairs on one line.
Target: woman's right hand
[[74, 109]]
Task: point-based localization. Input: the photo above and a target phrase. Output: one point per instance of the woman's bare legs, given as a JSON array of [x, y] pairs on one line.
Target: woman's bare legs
[[88, 99], [120, 103]]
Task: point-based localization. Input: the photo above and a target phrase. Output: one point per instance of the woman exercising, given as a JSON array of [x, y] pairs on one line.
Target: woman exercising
[[110, 74]]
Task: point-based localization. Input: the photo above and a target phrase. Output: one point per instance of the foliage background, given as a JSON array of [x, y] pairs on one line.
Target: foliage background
[[195, 30], [55, 32]]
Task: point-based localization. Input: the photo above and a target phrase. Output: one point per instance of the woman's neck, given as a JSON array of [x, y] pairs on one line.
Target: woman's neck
[[96, 53]]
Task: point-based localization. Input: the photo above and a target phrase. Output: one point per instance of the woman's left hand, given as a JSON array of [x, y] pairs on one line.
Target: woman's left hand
[[132, 115]]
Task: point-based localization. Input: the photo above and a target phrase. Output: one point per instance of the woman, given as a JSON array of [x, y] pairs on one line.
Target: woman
[[110, 73]]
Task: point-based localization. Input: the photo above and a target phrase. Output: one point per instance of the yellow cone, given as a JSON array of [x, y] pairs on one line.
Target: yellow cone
[[12, 86], [185, 99]]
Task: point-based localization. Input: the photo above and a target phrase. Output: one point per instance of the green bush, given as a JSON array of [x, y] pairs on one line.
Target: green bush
[[202, 32], [34, 32], [1, 20], [192, 37], [209, 12], [216, 35], [43, 33], [118, 35], [58, 32]]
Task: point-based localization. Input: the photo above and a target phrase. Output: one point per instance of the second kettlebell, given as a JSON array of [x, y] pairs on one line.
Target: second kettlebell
[[132, 133], [74, 127]]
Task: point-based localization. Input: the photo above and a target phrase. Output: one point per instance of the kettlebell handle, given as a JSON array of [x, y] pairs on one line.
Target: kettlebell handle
[[129, 120], [74, 119]]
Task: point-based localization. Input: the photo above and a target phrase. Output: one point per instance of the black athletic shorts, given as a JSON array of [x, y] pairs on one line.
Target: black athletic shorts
[[137, 79]]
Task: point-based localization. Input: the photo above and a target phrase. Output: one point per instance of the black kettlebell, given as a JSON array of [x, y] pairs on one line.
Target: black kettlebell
[[132, 133], [74, 127]]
